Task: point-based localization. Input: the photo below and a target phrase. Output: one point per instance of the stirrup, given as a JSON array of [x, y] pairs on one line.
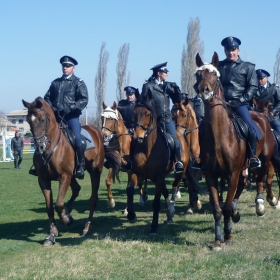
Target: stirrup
[[254, 162], [33, 172], [80, 174], [179, 167]]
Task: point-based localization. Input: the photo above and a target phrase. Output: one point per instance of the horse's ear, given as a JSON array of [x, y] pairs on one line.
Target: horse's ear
[[114, 105], [38, 104], [137, 94], [198, 60], [104, 105], [215, 59], [26, 104]]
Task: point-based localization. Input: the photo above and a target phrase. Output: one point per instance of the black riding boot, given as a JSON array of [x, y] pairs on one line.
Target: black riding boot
[[19, 162], [179, 167], [254, 161], [80, 173]]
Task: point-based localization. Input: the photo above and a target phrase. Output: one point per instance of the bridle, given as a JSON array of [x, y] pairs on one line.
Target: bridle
[[42, 143], [184, 126]]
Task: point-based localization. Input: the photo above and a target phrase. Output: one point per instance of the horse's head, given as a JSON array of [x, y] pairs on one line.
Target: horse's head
[[109, 117], [144, 117], [39, 118], [263, 104], [179, 112], [207, 78]]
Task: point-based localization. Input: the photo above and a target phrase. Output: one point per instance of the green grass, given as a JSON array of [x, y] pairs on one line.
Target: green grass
[[116, 249]]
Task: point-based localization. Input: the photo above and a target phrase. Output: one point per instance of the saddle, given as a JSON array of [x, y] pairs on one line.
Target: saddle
[[241, 127]]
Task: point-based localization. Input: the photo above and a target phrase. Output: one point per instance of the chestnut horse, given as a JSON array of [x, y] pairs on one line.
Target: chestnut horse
[[263, 106], [187, 134], [224, 154], [150, 160], [116, 137], [54, 159]]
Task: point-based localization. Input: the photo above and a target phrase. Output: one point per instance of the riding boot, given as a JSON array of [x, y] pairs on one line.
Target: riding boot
[[179, 167], [254, 161], [80, 173]]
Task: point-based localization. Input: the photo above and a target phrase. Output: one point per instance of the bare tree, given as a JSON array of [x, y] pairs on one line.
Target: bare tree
[[88, 117], [100, 82], [188, 66], [122, 76], [277, 68]]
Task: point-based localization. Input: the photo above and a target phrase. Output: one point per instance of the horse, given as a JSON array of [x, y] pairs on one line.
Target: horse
[[263, 106], [187, 133], [223, 153], [151, 160], [54, 160], [116, 137]]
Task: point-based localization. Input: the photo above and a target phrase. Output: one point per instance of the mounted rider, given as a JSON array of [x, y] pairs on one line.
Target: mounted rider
[[239, 81], [161, 92]]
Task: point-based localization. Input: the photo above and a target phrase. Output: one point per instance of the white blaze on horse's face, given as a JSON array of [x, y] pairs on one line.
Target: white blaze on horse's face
[[108, 132], [33, 118]]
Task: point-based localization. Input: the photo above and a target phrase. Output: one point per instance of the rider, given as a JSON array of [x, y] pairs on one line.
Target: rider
[[272, 90], [239, 81], [126, 106], [68, 96], [161, 92]]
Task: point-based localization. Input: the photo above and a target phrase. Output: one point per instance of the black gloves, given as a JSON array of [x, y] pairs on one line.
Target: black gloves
[[65, 111], [235, 104]]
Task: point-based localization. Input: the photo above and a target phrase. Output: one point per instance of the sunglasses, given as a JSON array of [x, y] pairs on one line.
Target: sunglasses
[[67, 65]]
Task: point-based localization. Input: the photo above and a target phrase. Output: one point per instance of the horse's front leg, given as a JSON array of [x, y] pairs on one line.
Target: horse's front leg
[[170, 204], [64, 184], [131, 216], [269, 181], [109, 182], [47, 191], [260, 209], [75, 187]]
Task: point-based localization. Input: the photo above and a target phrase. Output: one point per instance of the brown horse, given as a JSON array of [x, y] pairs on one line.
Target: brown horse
[[223, 153], [187, 134], [150, 160], [116, 137], [54, 159], [263, 106]]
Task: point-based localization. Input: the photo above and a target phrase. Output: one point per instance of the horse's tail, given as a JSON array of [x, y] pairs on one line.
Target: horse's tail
[[114, 159]]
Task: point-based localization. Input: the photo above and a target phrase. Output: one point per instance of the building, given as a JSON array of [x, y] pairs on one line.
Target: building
[[18, 119], [6, 128]]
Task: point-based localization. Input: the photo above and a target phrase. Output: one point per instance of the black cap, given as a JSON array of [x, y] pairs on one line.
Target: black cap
[[130, 90], [68, 60], [160, 68], [231, 43], [262, 74]]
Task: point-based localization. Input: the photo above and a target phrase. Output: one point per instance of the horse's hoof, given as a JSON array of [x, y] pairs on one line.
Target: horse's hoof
[[49, 241], [277, 206], [189, 212], [111, 203], [236, 217], [132, 218], [178, 194], [217, 247], [141, 201], [260, 210], [273, 202], [169, 221]]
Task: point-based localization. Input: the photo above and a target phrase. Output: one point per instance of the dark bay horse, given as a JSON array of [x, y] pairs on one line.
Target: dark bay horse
[[263, 106], [116, 137], [54, 159], [150, 160], [187, 133], [224, 154]]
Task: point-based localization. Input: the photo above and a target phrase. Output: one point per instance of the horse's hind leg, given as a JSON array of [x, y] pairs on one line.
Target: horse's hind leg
[[269, 181], [75, 187], [47, 191], [95, 182], [109, 182]]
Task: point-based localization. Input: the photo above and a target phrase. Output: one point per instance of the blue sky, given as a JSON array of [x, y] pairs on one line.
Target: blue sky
[[35, 34]]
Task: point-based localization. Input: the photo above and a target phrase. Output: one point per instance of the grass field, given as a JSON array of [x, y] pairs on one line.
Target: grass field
[[116, 249]]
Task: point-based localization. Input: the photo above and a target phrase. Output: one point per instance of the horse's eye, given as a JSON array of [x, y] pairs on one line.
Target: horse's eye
[[42, 120]]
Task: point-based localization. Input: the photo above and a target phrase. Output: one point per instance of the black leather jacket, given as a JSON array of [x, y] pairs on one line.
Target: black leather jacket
[[17, 144], [125, 108], [68, 95], [161, 97], [273, 92], [239, 80]]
